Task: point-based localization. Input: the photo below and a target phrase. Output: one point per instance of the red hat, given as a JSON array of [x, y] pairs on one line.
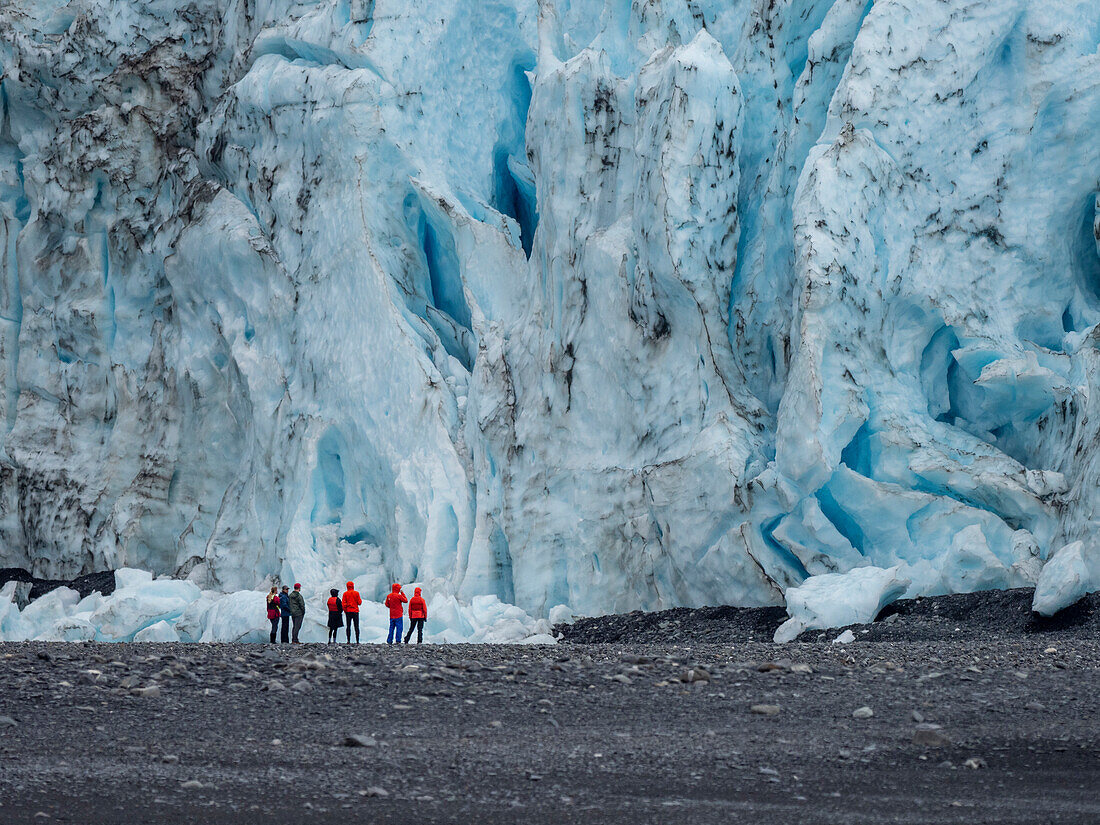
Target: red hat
[[297, 586]]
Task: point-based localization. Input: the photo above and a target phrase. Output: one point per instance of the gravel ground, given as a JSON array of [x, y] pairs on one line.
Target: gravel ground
[[992, 614], [84, 585], [1000, 725]]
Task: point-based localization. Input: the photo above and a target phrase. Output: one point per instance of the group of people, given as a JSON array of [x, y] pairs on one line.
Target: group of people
[[285, 607], [289, 608]]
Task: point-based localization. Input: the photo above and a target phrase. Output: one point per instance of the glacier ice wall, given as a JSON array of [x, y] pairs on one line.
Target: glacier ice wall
[[608, 304]]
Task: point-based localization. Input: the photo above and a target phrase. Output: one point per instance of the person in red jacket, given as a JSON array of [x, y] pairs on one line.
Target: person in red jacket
[[274, 611], [418, 612], [395, 601], [335, 615], [351, 602]]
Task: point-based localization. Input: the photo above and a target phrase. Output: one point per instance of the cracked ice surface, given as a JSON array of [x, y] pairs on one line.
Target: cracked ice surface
[[613, 306]]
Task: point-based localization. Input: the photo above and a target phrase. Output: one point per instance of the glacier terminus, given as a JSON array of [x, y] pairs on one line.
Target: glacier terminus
[[560, 307]]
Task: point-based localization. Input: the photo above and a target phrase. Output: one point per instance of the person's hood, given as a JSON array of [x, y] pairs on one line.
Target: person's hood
[[334, 592], [351, 585], [396, 588], [416, 592]]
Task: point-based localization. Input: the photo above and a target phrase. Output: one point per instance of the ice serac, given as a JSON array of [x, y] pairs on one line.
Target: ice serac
[[596, 306], [1072, 572], [628, 393], [840, 599]]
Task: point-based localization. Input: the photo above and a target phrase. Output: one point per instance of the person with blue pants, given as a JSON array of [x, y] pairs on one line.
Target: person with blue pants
[[395, 601]]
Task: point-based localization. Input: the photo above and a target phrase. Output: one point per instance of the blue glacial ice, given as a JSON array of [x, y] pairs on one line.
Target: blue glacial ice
[[550, 306]]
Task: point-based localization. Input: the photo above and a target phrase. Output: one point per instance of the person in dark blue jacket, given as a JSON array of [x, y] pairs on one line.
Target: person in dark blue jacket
[[284, 608]]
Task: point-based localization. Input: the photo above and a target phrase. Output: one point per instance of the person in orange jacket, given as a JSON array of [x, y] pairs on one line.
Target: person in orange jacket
[[351, 602], [418, 613], [395, 601]]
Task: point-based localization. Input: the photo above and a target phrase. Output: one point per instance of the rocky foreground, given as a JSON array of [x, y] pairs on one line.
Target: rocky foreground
[[913, 722]]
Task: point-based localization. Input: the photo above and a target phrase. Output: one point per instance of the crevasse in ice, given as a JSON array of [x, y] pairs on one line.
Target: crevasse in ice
[[606, 305]]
